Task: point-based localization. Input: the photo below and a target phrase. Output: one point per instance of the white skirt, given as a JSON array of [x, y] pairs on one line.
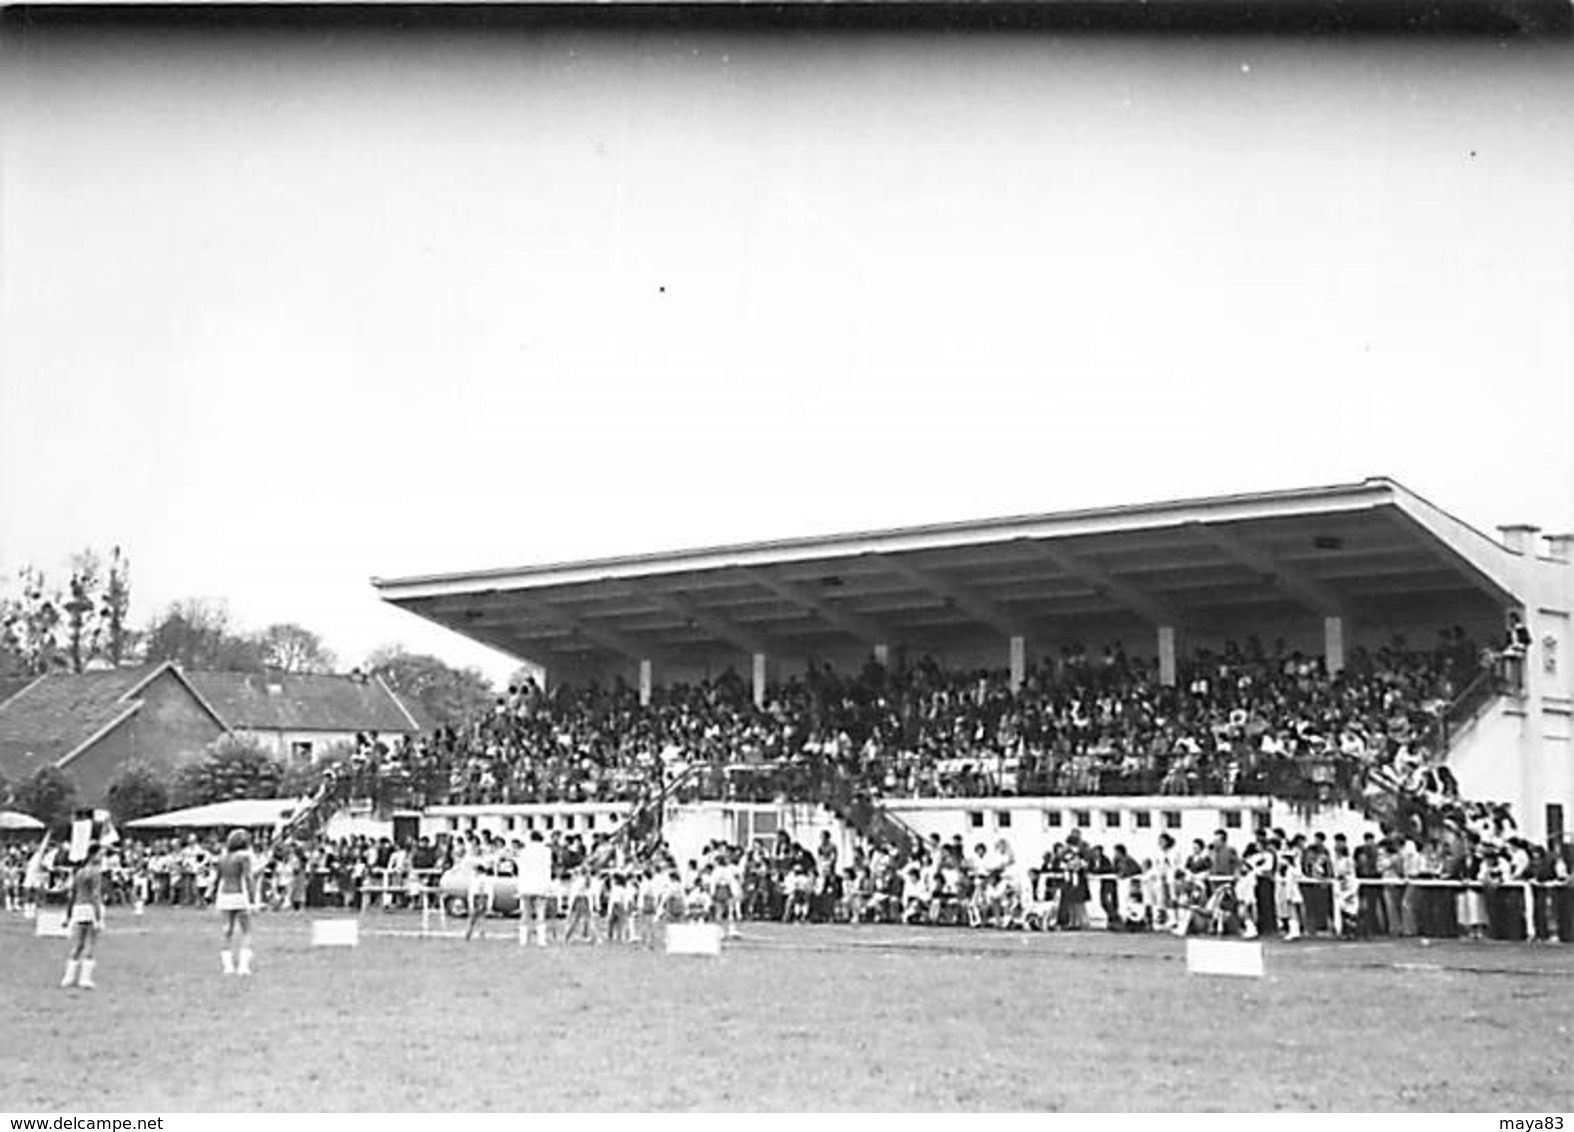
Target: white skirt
[[233, 902], [83, 914]]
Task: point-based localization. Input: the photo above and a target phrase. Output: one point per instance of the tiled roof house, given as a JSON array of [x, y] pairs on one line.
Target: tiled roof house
[[91, 725]]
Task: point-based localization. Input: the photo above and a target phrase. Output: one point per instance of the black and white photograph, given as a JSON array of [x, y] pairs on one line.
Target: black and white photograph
[[734, 558]]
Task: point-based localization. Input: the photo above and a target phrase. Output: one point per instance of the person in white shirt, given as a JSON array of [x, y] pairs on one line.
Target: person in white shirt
[[620, 902], [535, 886]]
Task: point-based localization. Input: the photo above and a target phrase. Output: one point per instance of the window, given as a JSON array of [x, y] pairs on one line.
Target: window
[[975, 818], [1171, 819], [1084, 818], [546, 822], [301, 752], [510, 823], [568, 821], [1142, 819], [590, 821], [1111, 819], [530, 822], [1003, 819], [1051, 819], [1260, 819], [1232, 819]]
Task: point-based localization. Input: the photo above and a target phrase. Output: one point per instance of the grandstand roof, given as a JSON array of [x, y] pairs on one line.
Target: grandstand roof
[[1330, 550]]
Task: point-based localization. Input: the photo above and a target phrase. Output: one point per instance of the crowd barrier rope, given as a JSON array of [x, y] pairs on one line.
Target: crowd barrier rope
[[1550, 918]]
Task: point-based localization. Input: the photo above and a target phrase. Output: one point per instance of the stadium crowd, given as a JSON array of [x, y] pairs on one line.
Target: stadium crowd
[[1475, 880], [1245, 720]]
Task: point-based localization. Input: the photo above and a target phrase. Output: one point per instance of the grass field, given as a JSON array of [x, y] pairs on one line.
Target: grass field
[[789, 1018]]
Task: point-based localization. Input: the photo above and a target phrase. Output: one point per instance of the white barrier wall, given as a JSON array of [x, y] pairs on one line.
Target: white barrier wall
[[1032, 826]]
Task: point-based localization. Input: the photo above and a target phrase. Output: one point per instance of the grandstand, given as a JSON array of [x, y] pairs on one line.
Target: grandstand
[[1364, 591]]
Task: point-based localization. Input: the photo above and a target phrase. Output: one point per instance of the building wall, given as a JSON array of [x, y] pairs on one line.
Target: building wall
[[588, 819], [281, 744], [171, 728]]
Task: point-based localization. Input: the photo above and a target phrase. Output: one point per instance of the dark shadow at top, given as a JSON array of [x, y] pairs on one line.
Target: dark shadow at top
[[1422, 18]]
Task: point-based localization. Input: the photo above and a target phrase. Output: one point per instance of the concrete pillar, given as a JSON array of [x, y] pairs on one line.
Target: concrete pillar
[[1333, 644], [644, 683], [882, 655], [1018, 662], [759, 679], [1167, 655]]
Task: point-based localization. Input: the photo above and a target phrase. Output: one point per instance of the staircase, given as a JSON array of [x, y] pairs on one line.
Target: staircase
[[642, 830], [1469, 739], [849, 800], [307, 821]]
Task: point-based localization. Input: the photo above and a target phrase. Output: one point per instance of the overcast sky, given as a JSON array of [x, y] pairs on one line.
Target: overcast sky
[[281, 313]]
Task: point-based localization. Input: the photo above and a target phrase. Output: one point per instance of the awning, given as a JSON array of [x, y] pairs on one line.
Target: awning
[[248, 813]]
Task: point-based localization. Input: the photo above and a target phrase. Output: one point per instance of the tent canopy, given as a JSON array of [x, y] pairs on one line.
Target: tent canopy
[[14, 820], [247, 813]]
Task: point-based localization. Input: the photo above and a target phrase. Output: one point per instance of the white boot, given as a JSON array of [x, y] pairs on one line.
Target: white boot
[[245, 962], [30, 910], [71, 973], [228, 958], [541, 934], [86, 981]]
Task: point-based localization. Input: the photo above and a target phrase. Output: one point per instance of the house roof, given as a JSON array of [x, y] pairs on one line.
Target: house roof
[[279, 701], [56, 714]]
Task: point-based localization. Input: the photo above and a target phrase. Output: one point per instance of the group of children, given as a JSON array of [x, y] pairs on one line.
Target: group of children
[[628, 903]]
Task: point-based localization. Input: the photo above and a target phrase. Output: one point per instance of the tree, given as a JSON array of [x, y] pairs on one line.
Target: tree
[[451, 697], [31, 623], [136, 792], [293, 648], [233, 767], [118, 640], [49, 796], [43, 629], [195, 633], [302, 778], [83, 632]]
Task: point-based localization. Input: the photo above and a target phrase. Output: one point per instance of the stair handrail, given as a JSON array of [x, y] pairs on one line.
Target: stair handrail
[[643, 808]]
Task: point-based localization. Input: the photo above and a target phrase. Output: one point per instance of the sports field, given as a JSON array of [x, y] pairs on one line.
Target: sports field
[[788, 1018]]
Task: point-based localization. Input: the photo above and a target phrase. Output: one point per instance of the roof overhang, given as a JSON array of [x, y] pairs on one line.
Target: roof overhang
[[1194, 563]]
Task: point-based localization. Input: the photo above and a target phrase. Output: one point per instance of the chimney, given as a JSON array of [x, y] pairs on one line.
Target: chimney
[[1519, 538], [1561, 546]]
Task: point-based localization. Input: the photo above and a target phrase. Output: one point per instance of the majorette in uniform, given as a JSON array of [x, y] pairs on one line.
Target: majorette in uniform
[[235, 894], [85, 915]]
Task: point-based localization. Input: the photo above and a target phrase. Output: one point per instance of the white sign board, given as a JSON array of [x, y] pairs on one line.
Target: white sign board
[[51, 924], [1224, 957], [336, 933], [693, 939]]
